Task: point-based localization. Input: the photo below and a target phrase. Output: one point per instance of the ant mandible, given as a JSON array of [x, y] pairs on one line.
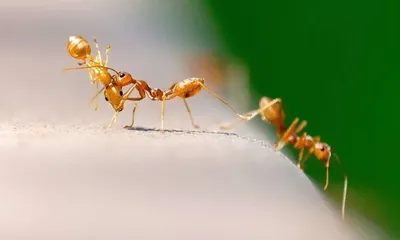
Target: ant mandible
[[271, 111], [183, 89], [79, 48]]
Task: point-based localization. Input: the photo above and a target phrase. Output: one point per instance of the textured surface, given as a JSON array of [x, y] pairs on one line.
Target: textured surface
[[66, 182]]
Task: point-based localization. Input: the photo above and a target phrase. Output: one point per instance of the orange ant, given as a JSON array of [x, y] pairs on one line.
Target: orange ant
[[184, 89], [79, 48], [272, 111]]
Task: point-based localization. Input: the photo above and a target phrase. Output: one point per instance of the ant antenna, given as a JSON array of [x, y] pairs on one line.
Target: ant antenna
[[78, 68], [345, 184], [98, 93], [327, 177]]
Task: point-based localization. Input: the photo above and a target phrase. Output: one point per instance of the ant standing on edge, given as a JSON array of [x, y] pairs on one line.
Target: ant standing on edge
[[271, 111]]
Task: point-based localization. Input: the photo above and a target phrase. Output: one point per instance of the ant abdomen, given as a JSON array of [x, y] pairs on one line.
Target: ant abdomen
[[78, 47], [188, 87]]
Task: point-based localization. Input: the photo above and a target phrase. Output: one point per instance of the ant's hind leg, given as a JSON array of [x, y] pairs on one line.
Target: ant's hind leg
[[190, 113]]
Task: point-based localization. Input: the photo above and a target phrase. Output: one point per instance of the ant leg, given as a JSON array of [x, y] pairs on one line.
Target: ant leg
[[162, 114], [190, 113], [260, 110], [96, 105], [92, 74], [124, 98], [134, 109], [98, 57], [298, 145], [113, 120], [107, 52], [344, 196], [252, 114], [133, 116], [302, 125], [326, 179], [282, 141], [230, 125], [299, 163], [222, 100], [97, 94]]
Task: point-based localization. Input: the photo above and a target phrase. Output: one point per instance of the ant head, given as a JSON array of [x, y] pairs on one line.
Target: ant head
[[323, 153], [78, 47], [113, 94], [124, 79]]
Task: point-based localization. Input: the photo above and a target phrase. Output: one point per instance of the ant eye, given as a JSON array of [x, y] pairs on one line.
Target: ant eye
[[121, 93], [106, 99], [322, 148], [121, 75]]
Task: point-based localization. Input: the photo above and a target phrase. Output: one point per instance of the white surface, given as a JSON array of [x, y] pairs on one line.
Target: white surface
[[65, 182]]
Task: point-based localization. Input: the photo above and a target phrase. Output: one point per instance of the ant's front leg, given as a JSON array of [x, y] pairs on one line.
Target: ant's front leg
[[133, 111], [142, 95]]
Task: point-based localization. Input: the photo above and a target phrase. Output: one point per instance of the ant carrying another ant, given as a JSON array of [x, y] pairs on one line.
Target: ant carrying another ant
[[184, 89]]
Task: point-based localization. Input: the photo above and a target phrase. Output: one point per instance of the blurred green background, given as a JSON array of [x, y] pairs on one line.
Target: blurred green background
[[335, 64]]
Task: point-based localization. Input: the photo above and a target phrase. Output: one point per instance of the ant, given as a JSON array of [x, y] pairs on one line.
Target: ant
[[79, 48], [184, 89], [272, 112]]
